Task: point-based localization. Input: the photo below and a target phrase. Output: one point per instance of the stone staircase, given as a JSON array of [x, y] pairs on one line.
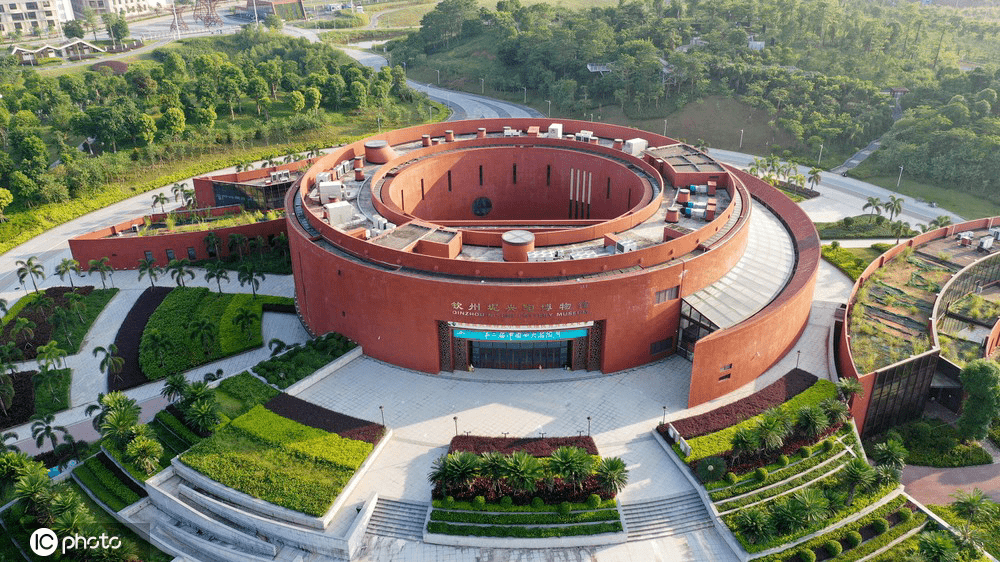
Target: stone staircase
[[664, 517], [398, 519]]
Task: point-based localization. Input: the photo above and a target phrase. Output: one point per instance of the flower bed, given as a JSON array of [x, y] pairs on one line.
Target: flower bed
[[718, 443], [522, 532], [279, 460], [775, 394], [474, 517], [289, 368], [129, 336], [872, 541], [69, 338], [185, 304], [32, 396], [534, 446], [309, 414]]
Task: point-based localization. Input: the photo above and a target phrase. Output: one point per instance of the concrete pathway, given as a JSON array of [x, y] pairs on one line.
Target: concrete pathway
[[931, 485]]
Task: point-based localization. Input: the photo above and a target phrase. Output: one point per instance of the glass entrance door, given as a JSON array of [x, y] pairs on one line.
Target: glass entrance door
[[520, 355]]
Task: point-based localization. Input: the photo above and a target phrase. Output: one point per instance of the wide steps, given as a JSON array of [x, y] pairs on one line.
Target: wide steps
[[665, 517], [398, 519]]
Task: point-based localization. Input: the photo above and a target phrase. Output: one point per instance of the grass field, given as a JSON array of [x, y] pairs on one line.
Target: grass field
[[963, 203], [863, 226], [406, 17]]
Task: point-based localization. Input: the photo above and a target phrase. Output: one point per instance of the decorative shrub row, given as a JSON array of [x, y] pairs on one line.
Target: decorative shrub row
[[778, 475], [558, 492], [534, 506], [522, 532], [717, 443], [793, 446], [524, 518], [138, 474], [109, 481], [791, 483], [849, 534], [92, 483], [309, 442], [775, 394], [534, 446], [247, 389], [177, 427], [291, 367]]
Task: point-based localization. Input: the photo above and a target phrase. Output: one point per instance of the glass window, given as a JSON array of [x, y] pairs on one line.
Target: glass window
[[170, 256], [192, 255], [149, 255]]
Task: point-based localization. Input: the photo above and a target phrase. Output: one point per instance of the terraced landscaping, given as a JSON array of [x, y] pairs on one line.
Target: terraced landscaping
[[37, 395], [106, 482], [68, 333]]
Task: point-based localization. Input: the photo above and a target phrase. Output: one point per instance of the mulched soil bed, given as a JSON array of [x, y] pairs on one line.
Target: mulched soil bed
[[791, 447], [23, 406], [129, 336], [309, 414], [534, 446], [777, 393], [121, 476], [40, 316], [275, 307]]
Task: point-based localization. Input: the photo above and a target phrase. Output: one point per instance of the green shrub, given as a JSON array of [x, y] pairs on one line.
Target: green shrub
[[848, 222], [828, 445], [506, 501], [731, 477], [833, 548], [248, 390], [449, 501], [905, 515], [807, 555], [288, 368], [853, 539], [805, 452], [880, 526], [782, 461], [537, 502], [308, 442], [177, 427], [565, 508], [760, 474], [479, 502], [711, 469], [92, 483], [593, 500], [523, 518], [523, 532]]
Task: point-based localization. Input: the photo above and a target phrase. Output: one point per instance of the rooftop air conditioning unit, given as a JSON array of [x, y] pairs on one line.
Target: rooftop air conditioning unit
[[995, 233], [322, 177], [636, 146], [555, 131], [584, 136], [626, 245]]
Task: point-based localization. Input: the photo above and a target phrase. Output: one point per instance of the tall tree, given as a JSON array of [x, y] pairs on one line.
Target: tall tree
[[981, 382], [179, 269], [217, 272], [30, 269], [44, 428], [111, 363], [68, 266], [249, 275], [147, 268], [103, 268]]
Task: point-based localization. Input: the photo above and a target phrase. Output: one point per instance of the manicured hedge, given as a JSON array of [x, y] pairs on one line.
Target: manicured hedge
[[534, 446], [523, 518], [16, 308], [311, 443], [236, 395], [177, 427], [815, 475], [291, 367], [316, 416], [109, 481], [522, 532], [90, 481], [59, 399], [776, 476], [185, 304], [780, 391], [717, 443], [132, 469], [69, 338], [499, 508]]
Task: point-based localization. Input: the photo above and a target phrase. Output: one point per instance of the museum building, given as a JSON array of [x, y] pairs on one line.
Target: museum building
[[533, 243]]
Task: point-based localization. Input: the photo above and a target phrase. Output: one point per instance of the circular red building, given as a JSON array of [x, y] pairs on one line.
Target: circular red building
[[527, 243]]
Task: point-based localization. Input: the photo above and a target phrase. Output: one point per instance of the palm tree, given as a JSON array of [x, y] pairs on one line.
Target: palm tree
[[973, 506], [857, 473], [68, 266], [102, 267], [8, 436], [63, 318], [72, 522], [612, 475], [174, 387], [212, 244], [891, 453], [812, 420], [43, 428], [158, 344], [237, 241], [836, 411], [276, 346], [215, 270], [203, 414], [875, 204], [112, 401], [744, 442], [161, 200], [814, 177], [244, 319], [178, 269], [755, 524], [937, 546], [772, 428], [281, 243], [248, 274], [202, 330], [147, 267], [178, 190], [118, 425], [75, 304], [455, 470], [572, 464], [196, 392], [23, 327], [30, 268], [848, 388], [898, 228], [813, 505], [50, 355], [493, 465], [894, 206], [111, 364], [522, 471], [6, 390], [145, 453], [36, 489], [3, 307]]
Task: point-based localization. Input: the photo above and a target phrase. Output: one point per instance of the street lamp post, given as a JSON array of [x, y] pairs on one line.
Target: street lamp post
[[661, 423], [591, 117], [439, 76], [741, 138], [525, 94], [588, 425], [482, 85], [664, 127], [900, 177], [820, 159], [550, 107], [798, 355], [381, 410], [456, 424]]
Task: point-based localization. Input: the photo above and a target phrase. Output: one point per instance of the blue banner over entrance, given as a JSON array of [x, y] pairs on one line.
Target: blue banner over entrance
[[553, 335]]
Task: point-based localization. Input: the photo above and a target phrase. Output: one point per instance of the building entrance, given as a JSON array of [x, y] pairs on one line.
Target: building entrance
[[520, 355]]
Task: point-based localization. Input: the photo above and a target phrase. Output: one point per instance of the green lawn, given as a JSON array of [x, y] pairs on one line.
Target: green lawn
[[185, 304], [961, 202], [990, 530], [237, 395], [863, 226], [853, 261], [110, 525], [53, 398], [94, 304]]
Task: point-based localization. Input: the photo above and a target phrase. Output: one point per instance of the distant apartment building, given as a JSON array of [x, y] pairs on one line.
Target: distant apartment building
[[129, 7], [27, 15]]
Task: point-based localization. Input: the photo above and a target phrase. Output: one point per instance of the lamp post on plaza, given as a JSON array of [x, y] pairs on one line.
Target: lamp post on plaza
[[456, 425], [381, 410], [588, 425], [525, 94], [482, 85], [661, 423]]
